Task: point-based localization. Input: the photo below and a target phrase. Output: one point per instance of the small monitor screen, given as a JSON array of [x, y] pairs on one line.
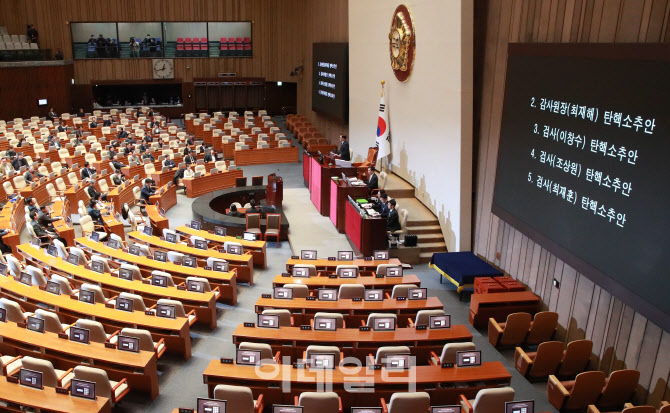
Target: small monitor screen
[[3, 269], [393, 272], [366, 410], [159, 280], [131, 344], [220, 231], [52, 250], [41, 102], [417, 293], [327, 294], [95, 237], [30, 378], [374, 295], [190, 262], [53, 287], [526, 406], [220, 266], [345, 255], [112, 243], [195, 286], [248, 357], [35, 242], [381, 255], [82, 388], [3, 315], [445, 409], [166, 311], [308, 255], [25, 278], [73, 259], [321, 361], [397, 361], [147, 230], [200, 244], [124, 304], [35, 324], [436, 322], [160, 256], [98, 267], [170, 237], [276, 408], [195, 225], [301, 272], [211, 406], [134, 249], [348, 273], [325, 324], [384, 324], [268, 321], [468, 358], [80, 335], [249, 236], [235, 249], [283, 293], [86, 296], [126, 274]]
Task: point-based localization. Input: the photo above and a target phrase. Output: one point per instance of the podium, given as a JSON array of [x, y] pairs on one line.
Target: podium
[[274, 191], [339, 191], [366, 234], [321, 169]]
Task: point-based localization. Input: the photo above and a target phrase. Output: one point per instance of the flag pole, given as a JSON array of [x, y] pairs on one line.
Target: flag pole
[[381, 164]]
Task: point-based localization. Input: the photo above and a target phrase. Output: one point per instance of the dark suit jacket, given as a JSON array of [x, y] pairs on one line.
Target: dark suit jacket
[[393, 220], [96, 216], [18, 163], [117, 165], [189, 159], [45, 220], [170, 163], [122, 135], [92, 192], [344, 151], [39, 230], [61, 128], [373, 182], [107, 122], [117, 180], [86, 173], [234, 214], [146, 193], [208, 157]]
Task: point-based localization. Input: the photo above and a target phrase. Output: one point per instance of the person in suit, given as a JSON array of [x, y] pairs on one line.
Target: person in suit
[[32, 204], [92, 192], [40, 232], [62, 128], [122, 134], [54, 142], [234, 212], [107, 122], [93, 124], [31, 174], [168, 162], [373, 181], [45, 220], [148, 155], [254, 209], [94, 212], [189, 159], [79, 133], [5, 167], [77, 139], [81, 113], [393, 220], [190, 141], [208, 156], [134, 158], [87, 172], [147, 191], [18, 162], [52, 115], [118, 178], [116, 164], [128, 149], [381, 205], [343, 153]]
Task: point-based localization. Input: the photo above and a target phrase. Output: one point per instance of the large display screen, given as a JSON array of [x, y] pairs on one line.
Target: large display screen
[[330, 79], [583, 154]]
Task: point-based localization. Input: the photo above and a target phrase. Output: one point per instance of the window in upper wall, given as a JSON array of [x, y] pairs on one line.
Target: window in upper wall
[[141, 39], [94, 40], [230, 39], [186, 39]]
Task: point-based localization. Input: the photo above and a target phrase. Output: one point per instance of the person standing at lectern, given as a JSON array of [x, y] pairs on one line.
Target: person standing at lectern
[[343, 153]]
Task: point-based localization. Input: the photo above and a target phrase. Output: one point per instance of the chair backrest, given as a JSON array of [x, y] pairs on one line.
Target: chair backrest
[[203, 281], [339, 318], [586, 390], [51, 190], [575, 358], [547, 359], [299, 290], [253, 220], [516, 329], [316, 349], [319, 402], [19, 182], [350, 291], [96, 290], [409, 402], [9, 189], [542, 328], [340, 268], [311, 268], [423, 316], [264, 348], [619, 388], [36, 275], [492, 400], [238, 399], [137, 275], [146, 342], [95, 328], [273, 221], [49, 376], [149, 168], [51, 321], [284, 316], [13, 264], [385, 351], [138, 301], [372, 316], [401, 290], [14, 313], [87, 225], [72, 178], [449, 351], [104, 188], [103, 387], [65, 287]]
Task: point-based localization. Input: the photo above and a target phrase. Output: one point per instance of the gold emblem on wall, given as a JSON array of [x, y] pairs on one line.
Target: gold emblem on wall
[[402, 43]]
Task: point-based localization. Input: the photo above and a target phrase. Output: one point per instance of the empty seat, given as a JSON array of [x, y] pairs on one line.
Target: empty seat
[[285, 318], [51, 377], [340, 268], [146, 342], [315, 349], [320, 402], [487, 401], [373, 316], [238, 399], [179, 307], [575, 358], [511, 333], [339, 318], [619, 389], [299, 290], [264, 348], [96, 332], [423, 317], [401, 290], [577, 394], [541, 363], [407, 402], [350, 291], [51, 321], [542, 328], [104, 387], [385, 351], [448, 355], [14, 311]]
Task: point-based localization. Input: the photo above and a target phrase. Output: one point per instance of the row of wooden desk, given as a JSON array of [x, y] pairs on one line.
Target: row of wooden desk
[[47, 400], [313, 283], [256, 248], [257, 156], [211, 182]]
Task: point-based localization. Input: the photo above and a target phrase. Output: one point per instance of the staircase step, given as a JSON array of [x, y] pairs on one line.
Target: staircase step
[[411, 222], [432, 246], [425, 257], [400, 193], [423, 229], [429, 238]]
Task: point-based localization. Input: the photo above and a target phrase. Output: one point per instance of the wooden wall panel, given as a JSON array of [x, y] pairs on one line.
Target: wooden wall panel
[[283, 33], [621, 337], [23, 86]]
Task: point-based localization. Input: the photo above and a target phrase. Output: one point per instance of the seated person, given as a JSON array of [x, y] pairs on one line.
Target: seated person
[[32, 204], [94, 212], [116, 164], [148, 155], [19, 161], [87, 171], [93, 124], [382, 205], [92, 192], [4, 248], [134, 158], [189, 158], [118, 178], [5, 167], [233, 211], [45, 220], [168, 162], [253, 209], [393, 220], [107, 122], [42, 233], [208, 156], [373, 181], [147, 191]]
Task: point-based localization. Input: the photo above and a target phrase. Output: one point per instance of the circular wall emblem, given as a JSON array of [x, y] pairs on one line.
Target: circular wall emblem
[[402, 43]]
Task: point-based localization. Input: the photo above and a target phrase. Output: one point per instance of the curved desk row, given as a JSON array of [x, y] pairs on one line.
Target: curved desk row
[[255, 248], [48, 400], [210, 183], [313, 283]]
